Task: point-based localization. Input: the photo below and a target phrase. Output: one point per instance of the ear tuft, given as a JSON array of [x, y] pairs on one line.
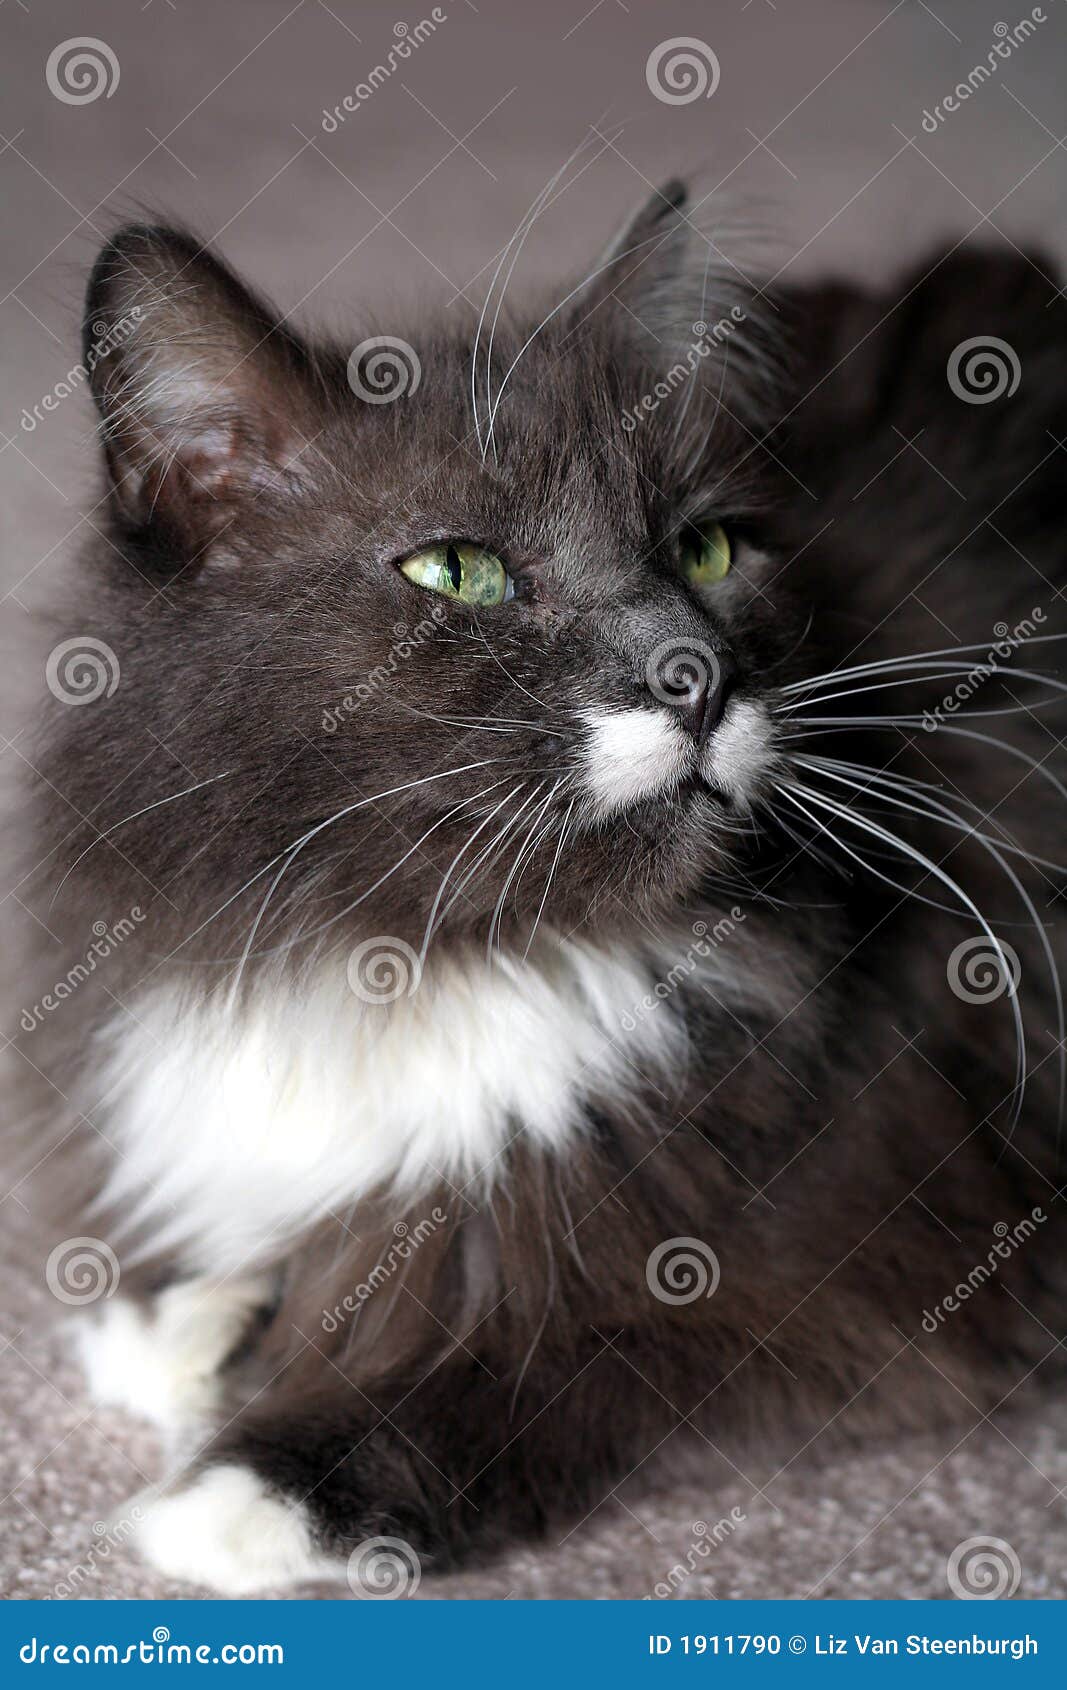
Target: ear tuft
[[649, 250], [202, 396]]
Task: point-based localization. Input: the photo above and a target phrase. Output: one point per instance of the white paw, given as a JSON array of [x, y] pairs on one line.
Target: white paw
[[162, 1360], [228, 1531]]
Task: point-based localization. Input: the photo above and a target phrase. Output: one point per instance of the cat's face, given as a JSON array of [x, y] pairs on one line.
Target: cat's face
[[503, 651]]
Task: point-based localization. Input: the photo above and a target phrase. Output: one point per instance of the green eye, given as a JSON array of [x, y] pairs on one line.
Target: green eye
[[705, 557], [460, 571]]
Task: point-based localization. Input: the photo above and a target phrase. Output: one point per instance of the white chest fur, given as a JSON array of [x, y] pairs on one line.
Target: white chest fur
[[236, 1129]]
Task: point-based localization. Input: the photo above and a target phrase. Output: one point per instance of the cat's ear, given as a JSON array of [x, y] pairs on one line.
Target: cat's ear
[[680, 303], [205, 402], [646, 268]]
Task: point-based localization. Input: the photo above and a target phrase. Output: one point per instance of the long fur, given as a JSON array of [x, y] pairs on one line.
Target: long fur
[[642, 992]]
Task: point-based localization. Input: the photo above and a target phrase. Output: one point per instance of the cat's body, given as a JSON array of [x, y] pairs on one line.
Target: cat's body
[[396, 1249]]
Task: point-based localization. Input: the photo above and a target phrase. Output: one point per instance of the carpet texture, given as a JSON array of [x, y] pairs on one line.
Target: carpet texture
[[817, 120], [882, 1523]]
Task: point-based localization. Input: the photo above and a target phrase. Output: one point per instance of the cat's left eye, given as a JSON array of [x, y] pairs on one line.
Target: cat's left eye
[[705, 556], [461, 570]]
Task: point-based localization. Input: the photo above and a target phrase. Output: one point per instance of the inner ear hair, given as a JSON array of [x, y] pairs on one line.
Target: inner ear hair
[[204, 398], [680, 286]]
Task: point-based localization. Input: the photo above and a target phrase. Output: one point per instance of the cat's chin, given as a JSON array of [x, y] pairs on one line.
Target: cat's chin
[[669, 843], [693, 806]]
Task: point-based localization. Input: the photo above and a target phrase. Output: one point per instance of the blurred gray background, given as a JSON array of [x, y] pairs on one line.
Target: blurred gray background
[[216, 119]]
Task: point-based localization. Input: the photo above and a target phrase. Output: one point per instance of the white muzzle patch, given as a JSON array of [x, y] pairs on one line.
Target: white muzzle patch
[[633, 754]]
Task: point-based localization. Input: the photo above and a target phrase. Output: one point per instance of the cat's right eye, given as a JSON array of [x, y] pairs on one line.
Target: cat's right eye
[[461, 570], [705, 556]]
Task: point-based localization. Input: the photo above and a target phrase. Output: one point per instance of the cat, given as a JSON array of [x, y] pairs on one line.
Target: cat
[[556, 995]]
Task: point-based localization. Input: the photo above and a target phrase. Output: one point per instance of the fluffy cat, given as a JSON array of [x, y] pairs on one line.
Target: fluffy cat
[[540, 1032]]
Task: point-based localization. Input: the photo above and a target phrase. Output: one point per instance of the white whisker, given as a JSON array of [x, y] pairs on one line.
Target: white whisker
[[108, 831], [877, 831], [564, 830]]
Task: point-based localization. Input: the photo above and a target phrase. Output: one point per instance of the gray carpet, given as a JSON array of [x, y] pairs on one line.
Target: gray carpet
[[417, 191], [881, 1524]]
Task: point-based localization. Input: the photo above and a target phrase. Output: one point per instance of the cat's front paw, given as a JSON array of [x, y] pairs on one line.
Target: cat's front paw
[[161, 1359], [227, 1530]]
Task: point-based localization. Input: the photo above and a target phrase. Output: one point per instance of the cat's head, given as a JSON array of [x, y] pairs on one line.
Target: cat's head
[[469, 601]]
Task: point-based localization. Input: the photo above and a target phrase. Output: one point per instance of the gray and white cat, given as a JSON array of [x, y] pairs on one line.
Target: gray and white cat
[[537, 1036]]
